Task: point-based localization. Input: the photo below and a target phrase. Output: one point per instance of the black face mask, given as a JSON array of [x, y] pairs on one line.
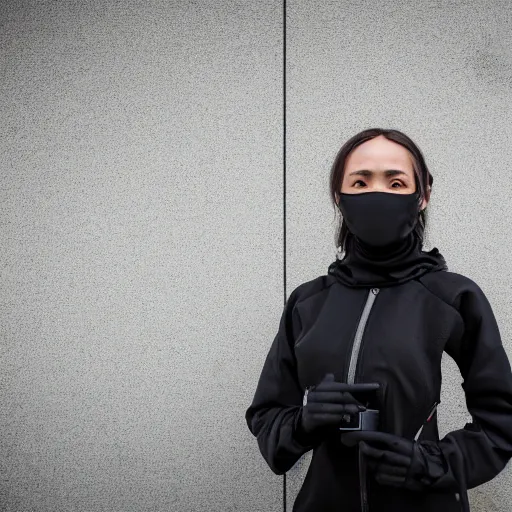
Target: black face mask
[[380, 218]]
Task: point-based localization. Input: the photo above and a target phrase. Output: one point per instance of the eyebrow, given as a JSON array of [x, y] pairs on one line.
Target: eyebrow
[[367, 172]]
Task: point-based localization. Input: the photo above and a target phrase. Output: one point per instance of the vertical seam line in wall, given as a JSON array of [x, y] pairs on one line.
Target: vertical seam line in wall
[[284, 190]]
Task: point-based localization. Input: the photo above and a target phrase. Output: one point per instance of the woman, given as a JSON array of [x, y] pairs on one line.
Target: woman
[[360, 348]]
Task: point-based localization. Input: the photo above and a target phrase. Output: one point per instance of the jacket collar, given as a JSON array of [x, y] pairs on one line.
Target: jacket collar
[[367, 266]]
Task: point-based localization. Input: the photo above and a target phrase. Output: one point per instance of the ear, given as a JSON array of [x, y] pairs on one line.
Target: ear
[[426, 199]]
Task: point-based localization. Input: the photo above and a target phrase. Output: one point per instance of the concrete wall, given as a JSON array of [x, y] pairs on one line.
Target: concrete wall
[[142, 222]]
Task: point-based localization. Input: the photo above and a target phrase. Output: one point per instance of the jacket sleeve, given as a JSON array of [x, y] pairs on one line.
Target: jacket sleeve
[[274, 415], [479, 451]]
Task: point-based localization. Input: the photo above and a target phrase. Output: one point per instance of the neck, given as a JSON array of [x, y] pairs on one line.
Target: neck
[[363, 266], [357, 250]]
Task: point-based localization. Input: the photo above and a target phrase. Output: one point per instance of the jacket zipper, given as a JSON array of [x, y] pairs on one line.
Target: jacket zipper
[[356, 346], [351, 374]]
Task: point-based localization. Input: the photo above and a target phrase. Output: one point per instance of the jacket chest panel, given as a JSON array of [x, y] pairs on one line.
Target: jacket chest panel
[[328, 330], [400, 346], [403, 350], [404, 340]]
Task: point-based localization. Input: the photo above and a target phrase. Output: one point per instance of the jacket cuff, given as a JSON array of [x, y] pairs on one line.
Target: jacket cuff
[[434, 462], [306, 439]]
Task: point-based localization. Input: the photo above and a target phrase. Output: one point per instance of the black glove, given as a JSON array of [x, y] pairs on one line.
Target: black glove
[[397, 461], [327, 402]]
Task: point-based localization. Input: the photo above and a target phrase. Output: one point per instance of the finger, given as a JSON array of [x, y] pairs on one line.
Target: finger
[[383, 440], [394, 481], [371, 452], [327, 419], [338, 409], [335, 397], [393, 458], [331, 385], [348, 398], [350, 438], [353, 409], [388, 469], [396, 459], [372, 464], [353, 438]]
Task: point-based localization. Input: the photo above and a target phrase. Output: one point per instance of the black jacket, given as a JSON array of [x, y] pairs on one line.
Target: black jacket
[[409, 326]]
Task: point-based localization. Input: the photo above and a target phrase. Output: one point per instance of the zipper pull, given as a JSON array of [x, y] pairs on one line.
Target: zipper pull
[[305, 398], [429, 417], [375, 291], [431, 413]]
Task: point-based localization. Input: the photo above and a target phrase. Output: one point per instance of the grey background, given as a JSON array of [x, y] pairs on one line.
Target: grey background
[[142, 222]]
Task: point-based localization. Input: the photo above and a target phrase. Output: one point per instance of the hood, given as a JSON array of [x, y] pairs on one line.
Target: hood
[[367, 266]]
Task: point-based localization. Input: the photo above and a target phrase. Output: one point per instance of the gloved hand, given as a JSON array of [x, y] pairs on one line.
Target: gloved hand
[[397, 461], [327, 402]]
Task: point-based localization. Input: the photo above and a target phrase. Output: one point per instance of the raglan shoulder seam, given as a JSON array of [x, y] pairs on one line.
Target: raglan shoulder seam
[[315, 290], [448, 303]]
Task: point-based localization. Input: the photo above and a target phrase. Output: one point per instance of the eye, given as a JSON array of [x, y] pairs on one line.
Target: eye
[[359, 181], [396, 183]]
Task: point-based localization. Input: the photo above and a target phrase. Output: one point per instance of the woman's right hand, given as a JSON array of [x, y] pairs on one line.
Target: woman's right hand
[[328, 401]]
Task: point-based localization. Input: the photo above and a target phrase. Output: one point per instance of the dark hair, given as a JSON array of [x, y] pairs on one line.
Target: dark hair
[[422, 176]]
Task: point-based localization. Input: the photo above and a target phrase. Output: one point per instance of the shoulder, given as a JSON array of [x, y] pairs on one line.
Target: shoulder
[[450, 286], [311, 288]]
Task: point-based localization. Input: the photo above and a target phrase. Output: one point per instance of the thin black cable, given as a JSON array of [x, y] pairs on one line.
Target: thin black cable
[[284, 189]]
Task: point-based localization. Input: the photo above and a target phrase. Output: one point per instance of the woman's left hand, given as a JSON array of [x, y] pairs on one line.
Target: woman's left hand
[[398, 461]]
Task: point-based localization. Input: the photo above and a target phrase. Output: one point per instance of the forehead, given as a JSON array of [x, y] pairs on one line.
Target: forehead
[[379, 154]]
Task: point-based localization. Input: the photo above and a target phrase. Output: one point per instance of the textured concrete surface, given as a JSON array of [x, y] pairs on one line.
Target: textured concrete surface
[[142, 223]]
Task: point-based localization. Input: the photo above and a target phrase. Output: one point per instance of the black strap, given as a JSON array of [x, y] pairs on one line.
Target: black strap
[[362, 480]]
